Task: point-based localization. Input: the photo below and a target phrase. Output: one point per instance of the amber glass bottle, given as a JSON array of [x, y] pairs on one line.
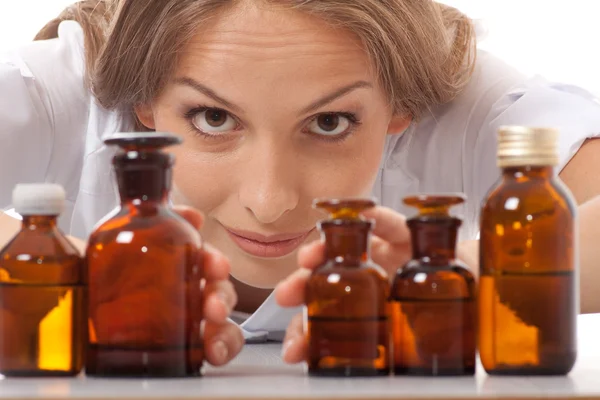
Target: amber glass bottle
[[348, 333], [528, 296], [42, 291], [433, 296], [145, 272]]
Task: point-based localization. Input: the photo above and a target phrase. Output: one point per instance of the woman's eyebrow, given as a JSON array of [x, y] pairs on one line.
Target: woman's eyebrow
[[335, 95], [205, 90]]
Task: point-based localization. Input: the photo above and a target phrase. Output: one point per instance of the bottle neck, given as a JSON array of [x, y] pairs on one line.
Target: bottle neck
[[144, 177], [346, 242], [434, 239], [39, 222], [528, 172], [138, 186]]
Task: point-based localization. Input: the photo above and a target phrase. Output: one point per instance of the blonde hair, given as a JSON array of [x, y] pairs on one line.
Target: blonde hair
[[422, 51]]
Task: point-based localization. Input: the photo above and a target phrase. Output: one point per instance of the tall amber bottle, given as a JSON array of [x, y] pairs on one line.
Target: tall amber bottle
[[528, 299], [145, 272], [347, 316], [433, 297], [42, 291]]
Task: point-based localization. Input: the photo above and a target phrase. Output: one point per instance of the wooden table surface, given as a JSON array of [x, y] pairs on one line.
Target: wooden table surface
[[258, 373]]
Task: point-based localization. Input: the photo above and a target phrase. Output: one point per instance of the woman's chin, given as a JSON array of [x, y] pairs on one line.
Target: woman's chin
[[262, 273]]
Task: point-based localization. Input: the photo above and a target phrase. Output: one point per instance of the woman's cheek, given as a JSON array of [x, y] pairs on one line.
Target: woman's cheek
[[348, 172]]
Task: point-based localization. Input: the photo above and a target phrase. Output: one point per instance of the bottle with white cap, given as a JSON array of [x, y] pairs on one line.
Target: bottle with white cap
[[42, 291], [528, 293]]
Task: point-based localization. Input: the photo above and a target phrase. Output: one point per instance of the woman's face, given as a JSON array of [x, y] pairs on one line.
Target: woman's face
[[276, 109]]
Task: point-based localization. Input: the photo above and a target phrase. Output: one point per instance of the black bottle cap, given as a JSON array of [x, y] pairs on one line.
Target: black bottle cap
[[130, 141]]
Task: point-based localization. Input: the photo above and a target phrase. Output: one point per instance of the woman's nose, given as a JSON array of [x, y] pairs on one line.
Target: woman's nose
[[268, 190]]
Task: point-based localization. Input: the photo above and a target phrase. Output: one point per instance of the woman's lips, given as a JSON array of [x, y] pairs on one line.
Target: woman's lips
[[263, 246]]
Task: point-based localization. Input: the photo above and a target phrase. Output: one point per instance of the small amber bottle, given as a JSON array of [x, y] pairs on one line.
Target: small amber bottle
[[42, 291], [346, 298], [528, 294], [433, 296], [145, 269]]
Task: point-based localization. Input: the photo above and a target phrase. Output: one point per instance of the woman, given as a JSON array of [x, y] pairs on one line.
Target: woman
[[279, 102]]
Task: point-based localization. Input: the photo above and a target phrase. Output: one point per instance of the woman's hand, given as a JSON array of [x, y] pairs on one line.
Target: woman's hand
[[223, 339], [390, 248]]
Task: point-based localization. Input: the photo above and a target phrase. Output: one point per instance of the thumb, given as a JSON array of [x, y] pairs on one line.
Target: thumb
[[192, 215], [389, 225], [389, 257]]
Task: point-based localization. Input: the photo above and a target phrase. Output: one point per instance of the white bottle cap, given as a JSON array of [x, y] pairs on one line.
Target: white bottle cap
[[38, 199]]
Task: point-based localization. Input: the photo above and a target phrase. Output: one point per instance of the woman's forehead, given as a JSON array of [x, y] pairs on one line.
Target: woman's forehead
[[273, 36]]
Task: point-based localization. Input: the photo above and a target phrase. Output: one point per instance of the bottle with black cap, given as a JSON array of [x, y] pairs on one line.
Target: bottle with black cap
[[145, 272]]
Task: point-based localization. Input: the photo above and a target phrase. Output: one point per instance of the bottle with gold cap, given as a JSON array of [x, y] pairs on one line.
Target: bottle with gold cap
[[346, 298], [433, 296], [528, 295]]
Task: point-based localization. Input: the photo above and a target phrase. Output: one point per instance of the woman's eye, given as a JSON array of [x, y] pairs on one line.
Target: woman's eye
[[214, 120], [329, 124]]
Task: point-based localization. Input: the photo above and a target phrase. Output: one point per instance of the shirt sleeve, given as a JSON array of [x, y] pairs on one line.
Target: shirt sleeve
[[43, 105], [25, 134], [572, 110]]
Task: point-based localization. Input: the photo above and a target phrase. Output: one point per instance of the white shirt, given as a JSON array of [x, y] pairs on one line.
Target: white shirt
[[52, 130]]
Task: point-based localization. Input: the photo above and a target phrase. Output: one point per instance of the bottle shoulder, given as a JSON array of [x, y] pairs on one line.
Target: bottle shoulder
[[341, 290], [367, 271], [565, 193], [48, 243], [530, 196], [451, 280], [166, 225], [46, 258], [452, 268]]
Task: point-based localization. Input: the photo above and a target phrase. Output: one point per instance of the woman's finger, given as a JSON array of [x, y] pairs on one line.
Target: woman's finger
[[222, 342], [390, 257], [311, 255], [216, 265], [192, 215], [220, 299], [290, 291], [295, 348], [468, 252], [389, 225]]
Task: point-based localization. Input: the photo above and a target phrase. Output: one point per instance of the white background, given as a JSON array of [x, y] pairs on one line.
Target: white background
[[559, 39]]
